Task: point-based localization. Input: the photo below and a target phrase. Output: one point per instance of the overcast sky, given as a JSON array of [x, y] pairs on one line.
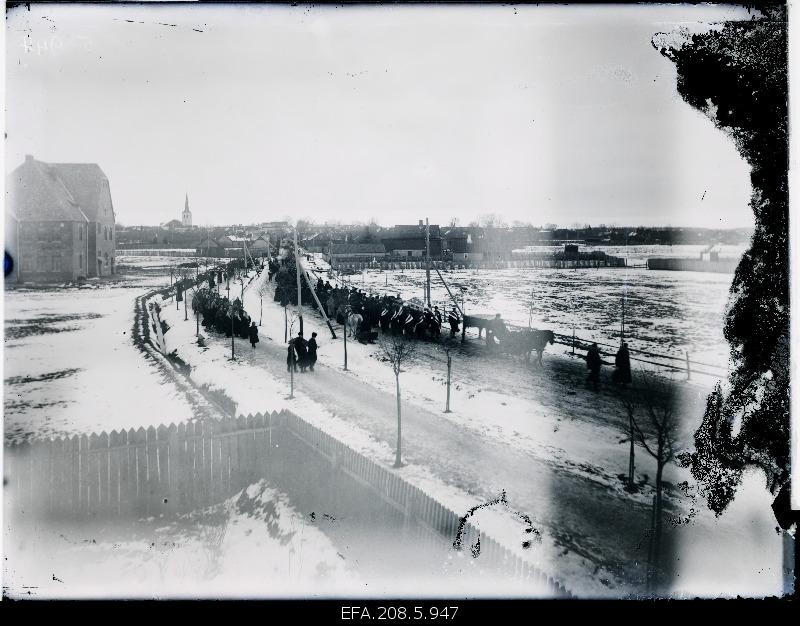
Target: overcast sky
[[540, 114]]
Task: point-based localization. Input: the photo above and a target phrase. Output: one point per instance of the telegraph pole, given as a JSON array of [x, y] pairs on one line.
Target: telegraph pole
[[299, 290], [428, 262]]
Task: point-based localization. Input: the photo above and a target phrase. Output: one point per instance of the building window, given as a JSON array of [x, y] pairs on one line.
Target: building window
[[410, 253], [41, 263], [55, 263], [98, 228], [81, 261], [80, 232], [27, 264]]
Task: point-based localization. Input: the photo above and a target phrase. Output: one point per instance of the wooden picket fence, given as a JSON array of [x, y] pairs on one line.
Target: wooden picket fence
[[140, 472], [178, 468]]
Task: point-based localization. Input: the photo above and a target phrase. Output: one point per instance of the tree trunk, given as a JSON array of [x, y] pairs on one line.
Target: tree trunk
[[285, 325], [261, 310], [631, 459], [398, 458], [659, 516]]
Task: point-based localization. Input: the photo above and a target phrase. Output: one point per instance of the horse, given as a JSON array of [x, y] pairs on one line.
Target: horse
[[526, 341], [354, 321], [538, 340]]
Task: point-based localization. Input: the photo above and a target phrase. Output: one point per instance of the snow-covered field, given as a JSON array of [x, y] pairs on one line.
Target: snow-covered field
[[70, 366]]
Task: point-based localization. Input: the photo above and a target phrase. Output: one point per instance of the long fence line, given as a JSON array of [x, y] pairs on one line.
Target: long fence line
[[583, 344], [178, 468]]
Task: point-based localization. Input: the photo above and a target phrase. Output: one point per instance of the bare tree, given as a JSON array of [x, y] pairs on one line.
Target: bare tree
[[653, 398], [629, 402], [398, 349], [264, 289]]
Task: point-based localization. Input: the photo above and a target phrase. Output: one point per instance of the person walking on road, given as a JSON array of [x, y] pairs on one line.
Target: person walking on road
[[312, 351], [253, 333], [593, 363], [291, 359], [301, 347]]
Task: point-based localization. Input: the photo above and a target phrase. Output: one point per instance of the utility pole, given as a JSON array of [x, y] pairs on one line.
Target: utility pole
[[230, 312], [428, 262], [299, 290], [345, 345], [447, 406], [622, 326]]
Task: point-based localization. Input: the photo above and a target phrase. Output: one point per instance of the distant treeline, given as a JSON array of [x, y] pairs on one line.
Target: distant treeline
[[154, 236]]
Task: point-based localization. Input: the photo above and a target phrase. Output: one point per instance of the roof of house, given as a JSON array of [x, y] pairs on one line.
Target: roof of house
[[357, 248], [461, 232], [409, 232], [36, 191], [210, 241], [85, 182]]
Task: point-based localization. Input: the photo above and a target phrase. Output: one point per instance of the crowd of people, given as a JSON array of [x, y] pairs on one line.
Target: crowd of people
[[390, 314]]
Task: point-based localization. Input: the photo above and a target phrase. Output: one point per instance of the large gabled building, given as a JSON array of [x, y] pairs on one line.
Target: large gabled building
[[408, 242], [59, 221]]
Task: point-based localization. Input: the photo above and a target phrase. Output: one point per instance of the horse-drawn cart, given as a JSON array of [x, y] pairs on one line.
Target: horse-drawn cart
[[503, 340]]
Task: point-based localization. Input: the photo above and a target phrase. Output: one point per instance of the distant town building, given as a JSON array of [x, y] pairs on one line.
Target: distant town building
[[186, 217], [259, 246], [59, 221], [464, 244], [409, 241], [354, 252]]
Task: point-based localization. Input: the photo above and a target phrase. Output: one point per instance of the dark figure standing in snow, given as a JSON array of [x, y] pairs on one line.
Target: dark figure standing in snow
[[593, 362], [301, 347], [253, 333], [622, 374], [452, 319], [291, 360], [312, 351]]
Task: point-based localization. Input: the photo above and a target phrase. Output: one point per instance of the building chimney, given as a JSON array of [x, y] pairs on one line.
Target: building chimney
[[28, 157], [420, 223]]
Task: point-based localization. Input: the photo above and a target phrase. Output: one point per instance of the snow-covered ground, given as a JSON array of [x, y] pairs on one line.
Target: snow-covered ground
[[537, 433], [70, 366], [521, 411], [255, 544]]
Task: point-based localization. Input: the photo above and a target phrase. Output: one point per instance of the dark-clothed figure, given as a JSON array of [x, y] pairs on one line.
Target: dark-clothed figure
[[291, 359], [593, 363], [253, 333], [312, 351], [301, 347], [453, 319], [622, 373]]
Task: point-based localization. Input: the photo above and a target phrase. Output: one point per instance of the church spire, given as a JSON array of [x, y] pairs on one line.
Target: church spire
[[186, 218]]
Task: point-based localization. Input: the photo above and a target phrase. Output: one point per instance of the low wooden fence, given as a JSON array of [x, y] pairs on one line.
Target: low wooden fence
[[540, 263], [178, 468], [171, 252], [139, 472]]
